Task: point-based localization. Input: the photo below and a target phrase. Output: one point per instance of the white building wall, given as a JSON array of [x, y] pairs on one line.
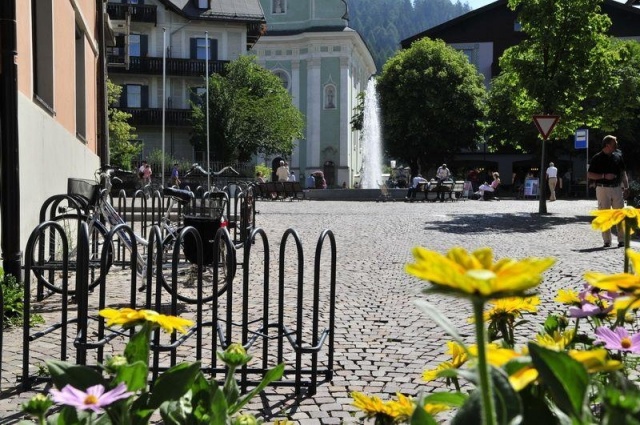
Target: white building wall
[[47, 147]]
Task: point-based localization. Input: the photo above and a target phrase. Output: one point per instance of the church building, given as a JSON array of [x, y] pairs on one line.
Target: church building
[[324, 64]]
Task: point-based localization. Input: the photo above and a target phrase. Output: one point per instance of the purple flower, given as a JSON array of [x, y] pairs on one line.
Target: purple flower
[[588, 310], [619, 339], [94, 399]]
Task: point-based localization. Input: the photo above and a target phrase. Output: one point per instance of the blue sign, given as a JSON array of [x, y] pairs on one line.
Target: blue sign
[[582, 139]]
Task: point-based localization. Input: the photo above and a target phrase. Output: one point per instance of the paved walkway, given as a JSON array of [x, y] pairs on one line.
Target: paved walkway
[[383, 343]]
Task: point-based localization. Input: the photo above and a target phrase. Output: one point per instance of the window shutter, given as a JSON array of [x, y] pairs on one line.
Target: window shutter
[[144, 45], [144, 94], [193, 48], [123, 97], [213, 49]]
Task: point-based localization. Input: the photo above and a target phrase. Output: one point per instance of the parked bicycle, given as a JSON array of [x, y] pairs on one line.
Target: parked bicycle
[[91, 203]]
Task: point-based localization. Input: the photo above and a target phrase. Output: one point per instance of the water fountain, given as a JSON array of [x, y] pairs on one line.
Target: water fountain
[[372, 142]]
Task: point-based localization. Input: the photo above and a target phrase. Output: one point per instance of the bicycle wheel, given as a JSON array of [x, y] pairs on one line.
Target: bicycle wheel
[[48, 255], [187, 269]]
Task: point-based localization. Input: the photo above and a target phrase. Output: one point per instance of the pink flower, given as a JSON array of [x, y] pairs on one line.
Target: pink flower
[[619, 339], [94, 399]]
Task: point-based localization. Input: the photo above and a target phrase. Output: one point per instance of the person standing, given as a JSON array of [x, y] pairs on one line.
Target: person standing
[[175, 175], [282, 173], [442, 174], [292, 177], [552, 180], [608, 171]]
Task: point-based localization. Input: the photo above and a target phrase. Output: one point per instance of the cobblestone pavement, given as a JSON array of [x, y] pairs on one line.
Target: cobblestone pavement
[[383, 343]]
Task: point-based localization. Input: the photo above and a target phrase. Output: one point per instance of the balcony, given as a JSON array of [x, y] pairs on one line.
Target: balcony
[[153, 116], [153, 66], [139, 12]]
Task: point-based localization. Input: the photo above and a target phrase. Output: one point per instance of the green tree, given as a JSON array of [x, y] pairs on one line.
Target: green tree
[[565, 67], [250, 112], [121, 150], [433, 103]]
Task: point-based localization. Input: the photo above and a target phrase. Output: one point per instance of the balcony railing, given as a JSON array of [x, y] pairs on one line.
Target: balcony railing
[[139, 12], [153, 66], [153, 116]]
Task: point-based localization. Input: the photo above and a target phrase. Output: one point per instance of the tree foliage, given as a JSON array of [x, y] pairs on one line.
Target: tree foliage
[[384, 23], [565, 66], [250, 112], [432, 101], [121, 150]]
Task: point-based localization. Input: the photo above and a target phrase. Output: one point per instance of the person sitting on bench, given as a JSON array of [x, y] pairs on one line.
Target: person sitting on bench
[[415, 184], [490, 188]]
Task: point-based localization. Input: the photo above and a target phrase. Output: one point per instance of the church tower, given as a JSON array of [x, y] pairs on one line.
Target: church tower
[[324, 64]]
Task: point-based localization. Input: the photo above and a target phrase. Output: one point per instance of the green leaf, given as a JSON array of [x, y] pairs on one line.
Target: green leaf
[[173, 383], [137, 348], [536, 410], [219, 409], [507, 403], [272, 375], [421, 417], [80, 377], [134, 375], [566, 379], [456, 399], [440, 320]]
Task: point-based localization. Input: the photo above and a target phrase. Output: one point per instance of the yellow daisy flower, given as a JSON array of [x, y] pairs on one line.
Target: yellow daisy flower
[[458, 357], [511, 306], [595, 360], [625, 282], [435, 408], [370, 405], [558, 341], [477, 273], [568, 297], [402, 408], [128, 317], [498, 357], [606, 219]]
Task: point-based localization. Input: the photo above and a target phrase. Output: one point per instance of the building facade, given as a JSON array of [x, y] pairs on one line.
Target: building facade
[[143, 29], [324, 64], [59, 86]]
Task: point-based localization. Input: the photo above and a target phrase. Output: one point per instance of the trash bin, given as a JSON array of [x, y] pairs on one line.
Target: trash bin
[[206, 228]]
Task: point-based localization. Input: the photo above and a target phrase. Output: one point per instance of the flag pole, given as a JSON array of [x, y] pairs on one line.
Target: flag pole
[[206, 78], [164, 97]]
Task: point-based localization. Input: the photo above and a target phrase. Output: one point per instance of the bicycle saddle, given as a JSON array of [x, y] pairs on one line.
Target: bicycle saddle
[[180, 195]]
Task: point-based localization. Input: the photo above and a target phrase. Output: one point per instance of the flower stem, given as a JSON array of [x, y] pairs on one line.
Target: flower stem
[[484, 381], [627, 240]]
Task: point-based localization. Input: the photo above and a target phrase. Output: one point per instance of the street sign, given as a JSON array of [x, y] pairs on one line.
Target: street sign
[[581, 140], [545, 124]]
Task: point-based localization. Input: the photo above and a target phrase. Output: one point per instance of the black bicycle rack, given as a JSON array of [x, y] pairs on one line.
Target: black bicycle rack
[[290, 322]]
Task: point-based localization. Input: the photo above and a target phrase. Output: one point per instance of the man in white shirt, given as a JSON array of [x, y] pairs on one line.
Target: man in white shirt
[[415, 184], [282, 172], [552, 179], [442, 174]]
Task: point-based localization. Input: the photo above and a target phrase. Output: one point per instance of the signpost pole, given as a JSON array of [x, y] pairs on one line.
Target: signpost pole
[[545, 124]]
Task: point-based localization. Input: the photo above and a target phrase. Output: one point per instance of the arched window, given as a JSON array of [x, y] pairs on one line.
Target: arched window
[[284, 77], [278, 6], [330, 96]]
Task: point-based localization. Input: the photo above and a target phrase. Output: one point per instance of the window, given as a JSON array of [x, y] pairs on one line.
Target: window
[[134, 96], [42, 47], [81, 105], [199, 46], [197, 95], [279, 6], [330, 96], [284, 77], [203, 4], [517, 26], [134, 45]]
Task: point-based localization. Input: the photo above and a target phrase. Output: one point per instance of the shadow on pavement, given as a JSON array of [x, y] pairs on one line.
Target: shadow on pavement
[[503, 223]]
